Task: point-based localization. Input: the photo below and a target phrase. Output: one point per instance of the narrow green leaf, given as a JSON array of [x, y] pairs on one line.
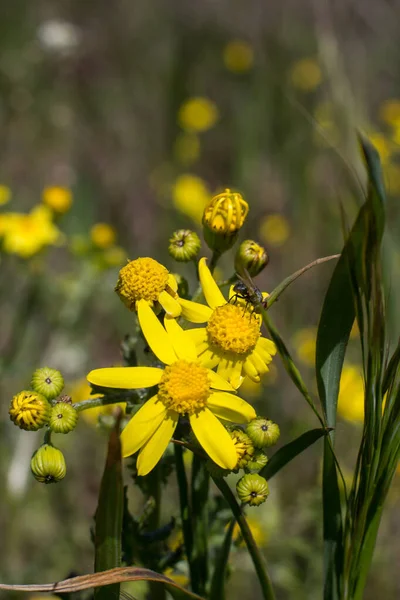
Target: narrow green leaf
[[288, 452], [199, 491], [217, 589], [109, 514]]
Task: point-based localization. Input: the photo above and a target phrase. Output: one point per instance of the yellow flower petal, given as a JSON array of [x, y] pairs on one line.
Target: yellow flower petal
[[169, 304], [251, 371], [231, 408], [142, 426], [236, 377], [195, 312], [267, 345], [130, 378], [183, 345], [214, 438], [224, 368], [151, 453], [155, 334], [258, 363], [208, 359], [211, 291], [218, 383], [198, 335], [172, 282]]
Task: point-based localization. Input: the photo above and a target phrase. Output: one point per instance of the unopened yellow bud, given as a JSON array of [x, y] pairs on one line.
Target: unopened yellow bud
[[223, 216], [48, 464], [48, 382], [252, 257], [244, 447], [252, 489], [63, 418], [29, 410], [184, 245]]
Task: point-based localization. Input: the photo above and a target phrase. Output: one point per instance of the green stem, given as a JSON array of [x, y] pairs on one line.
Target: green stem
[[214, 260], [217, 591], [199, 496], [257, 557], [103, 401]]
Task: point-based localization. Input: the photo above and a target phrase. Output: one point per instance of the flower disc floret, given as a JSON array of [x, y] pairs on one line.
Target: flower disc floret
[[184, 387], [141, 279], [233, 330]]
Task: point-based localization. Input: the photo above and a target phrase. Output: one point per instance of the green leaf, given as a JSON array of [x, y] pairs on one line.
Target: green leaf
[[109, 514], [288, 452], [217, 589]]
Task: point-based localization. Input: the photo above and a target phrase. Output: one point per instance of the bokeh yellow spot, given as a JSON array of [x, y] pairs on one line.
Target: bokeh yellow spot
[[306, 74], [304, 342], [187, 148], [57, 198], [389, 111], [351, 394], [190, 195], [275, 230], [115, 256], [238, 56], [382, 144], [5, 194], [198, 114], [102, 235], [259, 533], [391, 174]]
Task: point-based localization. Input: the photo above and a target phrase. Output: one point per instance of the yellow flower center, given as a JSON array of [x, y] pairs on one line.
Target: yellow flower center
[[233, 329], [184, 387], [143, 278]]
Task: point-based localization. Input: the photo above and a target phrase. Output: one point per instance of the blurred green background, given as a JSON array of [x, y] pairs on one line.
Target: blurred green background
[[118, 122]]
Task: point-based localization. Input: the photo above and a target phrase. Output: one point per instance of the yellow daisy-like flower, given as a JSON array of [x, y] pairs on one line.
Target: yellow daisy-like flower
[[27, 234], [232, 340], [185, 387]]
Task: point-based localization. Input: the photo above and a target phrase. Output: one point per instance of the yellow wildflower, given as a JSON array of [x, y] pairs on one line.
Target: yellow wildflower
[[389, 111], [102, 235], [57, 198], [27, 234], [185, 387], [190, 196], [198, 114], [275, 230], [187, 148], [351, 394], [304, 342], [232, 340], [226, 213], [306, 74], [5, 194], [238, 56]]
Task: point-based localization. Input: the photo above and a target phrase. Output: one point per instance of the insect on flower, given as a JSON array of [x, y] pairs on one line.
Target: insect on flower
[[245, 289]]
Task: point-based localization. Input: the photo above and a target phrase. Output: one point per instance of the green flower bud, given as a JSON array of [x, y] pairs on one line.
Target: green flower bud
[[244, 447], [252, 489], [263, 432], [252, 257], [183, 286], [29, 410], [258, 461], [223, 216], [48, 382], [184, 245], [63, 418], [48, 464]]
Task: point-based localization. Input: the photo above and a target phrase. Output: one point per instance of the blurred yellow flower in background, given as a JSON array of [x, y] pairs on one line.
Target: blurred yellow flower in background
[[79, 391], [198, 114], [382, 144], [304, 341], [5, 194], [102, 235], [389, 111], [324, 114], [115, 256], [238, 56], [187, 148], [27, 234], [306, 74], [190, 195], [57, 198], [258, 531], [391, 174], [351, 394], [275, 230]]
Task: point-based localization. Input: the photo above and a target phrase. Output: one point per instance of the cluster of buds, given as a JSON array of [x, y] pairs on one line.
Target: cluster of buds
[[42, 406]]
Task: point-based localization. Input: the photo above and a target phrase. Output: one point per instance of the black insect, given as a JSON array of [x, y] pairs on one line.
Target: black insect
[[245, 289]]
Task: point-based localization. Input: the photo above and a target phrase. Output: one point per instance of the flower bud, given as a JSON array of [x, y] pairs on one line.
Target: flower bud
[[48, 464], [223, 216], [244, 447], [48, 382], [63, 418], [257, 462], [29, 410], [263, 432], [252, 489], [184, 245], [252, 257]]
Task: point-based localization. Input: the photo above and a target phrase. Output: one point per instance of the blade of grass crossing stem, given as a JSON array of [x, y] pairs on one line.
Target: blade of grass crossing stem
[[288, 452], [109, 513], [337, 318]]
